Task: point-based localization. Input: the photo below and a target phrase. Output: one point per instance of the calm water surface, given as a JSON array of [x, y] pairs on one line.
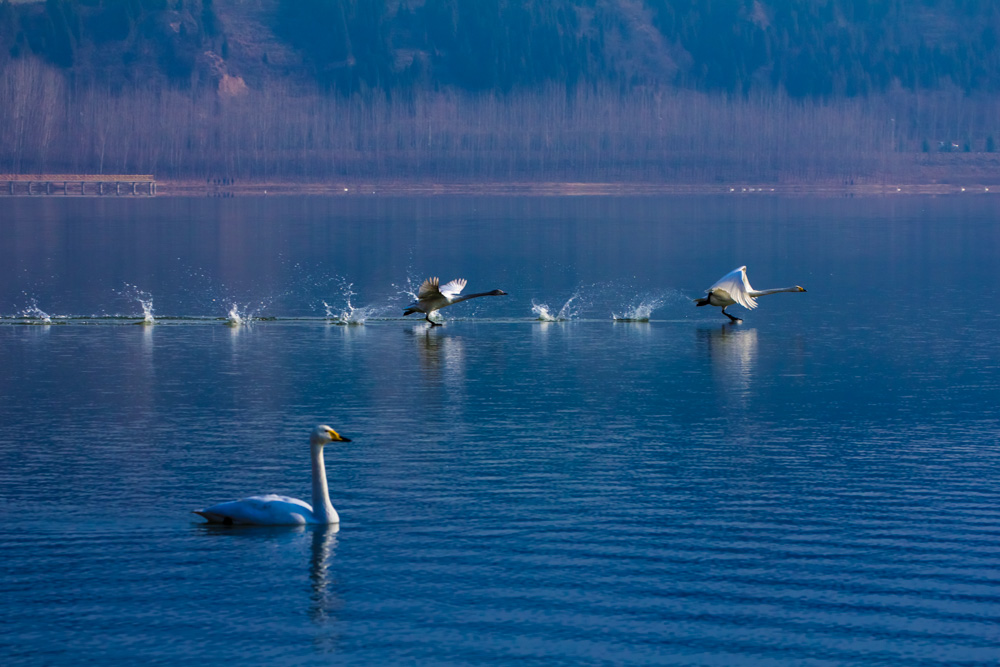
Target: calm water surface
[[819, 485]]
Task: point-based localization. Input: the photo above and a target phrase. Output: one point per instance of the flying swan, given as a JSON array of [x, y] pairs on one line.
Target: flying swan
[[430, 297], [273, 510], [734, 288]]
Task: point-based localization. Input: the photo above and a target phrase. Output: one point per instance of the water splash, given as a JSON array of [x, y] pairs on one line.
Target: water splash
[[349, 315], [567, 312], [542, 313], [245, 315], [639, 312], [145, 299], [409, 289], [235, 318], [35, 315]]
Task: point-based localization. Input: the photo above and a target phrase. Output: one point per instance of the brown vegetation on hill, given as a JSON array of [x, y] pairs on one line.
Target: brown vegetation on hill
[[209, 90]]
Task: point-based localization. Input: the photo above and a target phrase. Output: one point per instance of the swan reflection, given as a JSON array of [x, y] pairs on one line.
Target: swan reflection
[[438, 350], [733, 352], [442, 360], [323, 598], [321, 602]]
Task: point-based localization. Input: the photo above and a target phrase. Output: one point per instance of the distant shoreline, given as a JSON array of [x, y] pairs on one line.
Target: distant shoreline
[[187, 188], [77, 185]]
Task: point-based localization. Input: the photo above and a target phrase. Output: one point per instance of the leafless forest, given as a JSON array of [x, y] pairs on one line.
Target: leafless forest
[[597, 135]]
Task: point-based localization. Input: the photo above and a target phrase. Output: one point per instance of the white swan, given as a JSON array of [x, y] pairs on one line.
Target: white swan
[[273, 510], [430, 297], [734, 288]]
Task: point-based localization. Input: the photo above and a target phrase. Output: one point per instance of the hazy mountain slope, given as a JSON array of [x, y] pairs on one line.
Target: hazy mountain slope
[[805, 48]]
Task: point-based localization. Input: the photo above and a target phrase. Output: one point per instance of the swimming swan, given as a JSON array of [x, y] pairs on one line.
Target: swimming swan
[[430, 297], [272, 510], [735, 288]]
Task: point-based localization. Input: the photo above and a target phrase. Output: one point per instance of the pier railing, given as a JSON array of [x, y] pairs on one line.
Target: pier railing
[[77, 185]]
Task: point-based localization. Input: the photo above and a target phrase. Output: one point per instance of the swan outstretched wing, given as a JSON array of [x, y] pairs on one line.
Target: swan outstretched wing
[[454, 288], [735, 284], [267, 510], [428, 289]]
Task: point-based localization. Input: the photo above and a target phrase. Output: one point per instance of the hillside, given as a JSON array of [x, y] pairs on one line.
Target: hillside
[[687, 91], [809, 48]]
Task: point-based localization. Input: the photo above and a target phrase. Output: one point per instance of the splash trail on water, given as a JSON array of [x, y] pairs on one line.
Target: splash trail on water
[[235, 318], [145, 300], [567, 312], [542, 313], [641, 308], [35, 314], [350, 314], [639, 312]]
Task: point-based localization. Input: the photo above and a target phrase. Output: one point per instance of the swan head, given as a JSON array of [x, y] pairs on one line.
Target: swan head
[[498, 292], [800, 288], [324, 435]]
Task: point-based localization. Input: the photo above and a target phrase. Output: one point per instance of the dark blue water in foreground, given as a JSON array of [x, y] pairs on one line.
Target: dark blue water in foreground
[[819, 485]]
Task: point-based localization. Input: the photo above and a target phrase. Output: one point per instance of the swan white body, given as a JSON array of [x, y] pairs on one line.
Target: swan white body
[[734, 288], [431, 297], [275, 510]]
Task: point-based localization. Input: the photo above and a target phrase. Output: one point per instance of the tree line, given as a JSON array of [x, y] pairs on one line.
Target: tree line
[[599, 90], [596, 134]]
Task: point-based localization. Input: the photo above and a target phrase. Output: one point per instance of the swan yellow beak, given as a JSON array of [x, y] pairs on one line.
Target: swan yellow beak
[[336, 437]]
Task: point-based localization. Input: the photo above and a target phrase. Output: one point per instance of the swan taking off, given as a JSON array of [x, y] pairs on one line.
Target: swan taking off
[[272, 510], [430, 297], [735, 288]]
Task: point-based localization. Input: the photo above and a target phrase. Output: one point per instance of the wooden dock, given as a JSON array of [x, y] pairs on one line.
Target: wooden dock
[[77, 185]]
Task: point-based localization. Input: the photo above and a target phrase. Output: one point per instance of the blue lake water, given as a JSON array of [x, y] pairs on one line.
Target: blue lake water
[[819, 485]]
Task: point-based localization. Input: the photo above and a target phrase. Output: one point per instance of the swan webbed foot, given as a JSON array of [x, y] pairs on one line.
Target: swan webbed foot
[[732, 318]]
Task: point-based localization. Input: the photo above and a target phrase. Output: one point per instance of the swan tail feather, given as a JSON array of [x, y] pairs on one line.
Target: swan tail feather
[[703, 301]]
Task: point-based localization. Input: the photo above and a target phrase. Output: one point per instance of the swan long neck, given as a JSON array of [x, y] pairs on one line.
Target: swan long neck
[[471, 296], [322, 508], [764, 292]]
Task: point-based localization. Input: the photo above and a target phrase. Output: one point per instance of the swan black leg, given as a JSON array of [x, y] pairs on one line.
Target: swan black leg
[[433, 323], [732, 318]]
